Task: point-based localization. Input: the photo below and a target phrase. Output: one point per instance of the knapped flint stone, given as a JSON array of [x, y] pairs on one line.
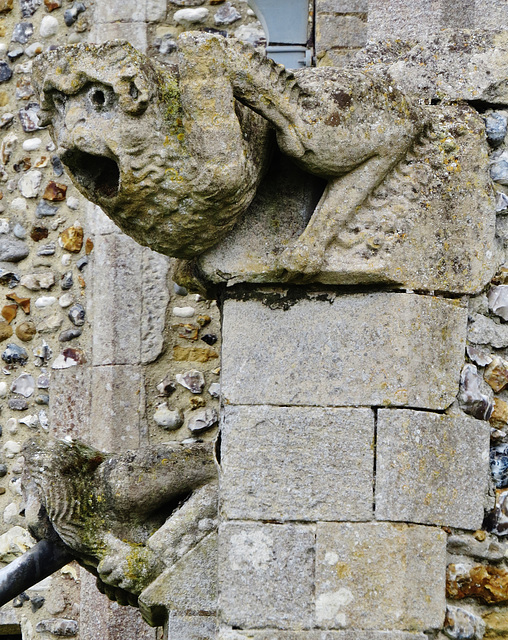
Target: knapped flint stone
[[355, 350], [461, 624], [203, 420], [77, 315], [67, 280], [69, 334], [15, 355], [499, 171], [45, 209], [58, 167], [226, 14], [490, 549], [297, 463], [61, 627], [71, 15], [362, 570], [18, 404], [28, 117], [29, 7], [5, 72], [12, 250], [431, 468], [475, 397], [483, 330], [266, 575], [22, 32], [495, 128]]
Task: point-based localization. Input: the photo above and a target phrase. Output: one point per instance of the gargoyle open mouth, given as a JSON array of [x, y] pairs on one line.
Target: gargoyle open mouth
[[99, 175]]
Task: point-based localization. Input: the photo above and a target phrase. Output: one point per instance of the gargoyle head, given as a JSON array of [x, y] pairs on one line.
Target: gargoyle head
[[118, 121]]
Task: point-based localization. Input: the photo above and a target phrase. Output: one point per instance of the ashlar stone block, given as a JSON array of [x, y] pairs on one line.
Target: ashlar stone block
[[266, 575], [352, 350], [431, 468], [117, 283], [350, 634], [297, 463], [380, 576]]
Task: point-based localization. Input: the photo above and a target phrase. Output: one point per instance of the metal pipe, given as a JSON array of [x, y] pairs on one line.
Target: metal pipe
[[37, 563]]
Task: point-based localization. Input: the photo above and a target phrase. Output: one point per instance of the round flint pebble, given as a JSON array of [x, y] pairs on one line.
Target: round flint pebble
[[69, 334], [167, 418], [77, 315], [18, 404], [3, 470]]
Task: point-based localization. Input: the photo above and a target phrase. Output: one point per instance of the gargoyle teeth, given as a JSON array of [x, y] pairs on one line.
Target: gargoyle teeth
[[98, 175]]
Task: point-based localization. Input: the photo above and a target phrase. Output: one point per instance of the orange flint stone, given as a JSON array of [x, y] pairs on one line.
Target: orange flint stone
[[496, 374], [486, 583], [71, 239], [88, 246], [55, 192], [499, 417], [9, 312], [24, 303]]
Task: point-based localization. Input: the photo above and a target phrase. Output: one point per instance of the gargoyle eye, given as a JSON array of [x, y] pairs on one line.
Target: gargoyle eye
[[58, 100], [100, 97]]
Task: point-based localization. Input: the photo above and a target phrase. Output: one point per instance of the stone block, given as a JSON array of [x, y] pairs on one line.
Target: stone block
[[188, 588], [70, 402], [100, 618], [340, 31], [353, 350], [341, 6], [97, 222], [117, 408], [351, 634], [190, 628], [431, 468], [117, 285], [156, 10], [297, 463], [266, 575], [125, 11], [380, 576], [403, 19], [133, 32], [155, 299]]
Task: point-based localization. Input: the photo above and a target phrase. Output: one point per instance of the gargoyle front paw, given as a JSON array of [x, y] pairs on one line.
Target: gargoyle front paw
[[304, 259], [131, 569]]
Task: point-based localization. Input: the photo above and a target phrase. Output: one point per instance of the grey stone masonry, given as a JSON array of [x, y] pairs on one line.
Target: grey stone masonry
[[297, 463], [380, 576], [354, 350], [266, 575], [431, 468], [352, 634]]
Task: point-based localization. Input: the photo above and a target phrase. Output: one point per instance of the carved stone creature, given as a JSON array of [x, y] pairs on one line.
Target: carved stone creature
[[175, 156], [125, 517]]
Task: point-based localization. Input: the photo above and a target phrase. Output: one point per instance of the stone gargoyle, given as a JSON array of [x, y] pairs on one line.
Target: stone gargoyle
[[127, 517], [175, 155]]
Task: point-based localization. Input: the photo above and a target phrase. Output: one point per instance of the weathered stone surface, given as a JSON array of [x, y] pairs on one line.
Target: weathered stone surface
[[391, 237], [272, 634], [483, 330], [461, 624], [117, 300], [291, 463], [189, 587], [155, 294], [375, 349], [118, 402], [431, 469], [266, 575], [380, 576], [191, 627]]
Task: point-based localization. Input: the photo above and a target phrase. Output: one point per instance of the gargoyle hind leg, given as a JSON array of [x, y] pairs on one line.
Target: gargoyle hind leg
[[341, 200]]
